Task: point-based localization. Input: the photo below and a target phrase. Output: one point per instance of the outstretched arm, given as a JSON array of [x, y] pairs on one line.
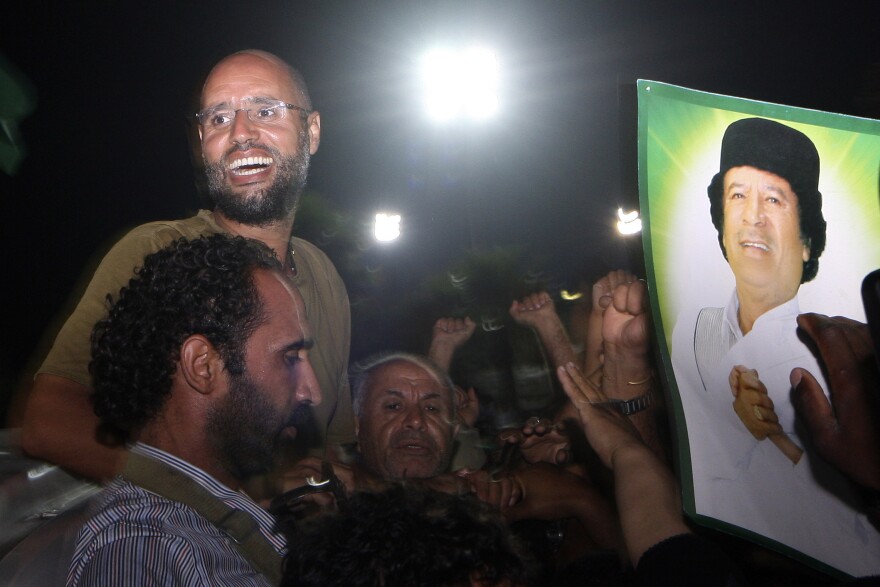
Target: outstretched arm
[[627, 372], [538, 312], [447, 336], [645, 490], [543, 440], [846, 430]]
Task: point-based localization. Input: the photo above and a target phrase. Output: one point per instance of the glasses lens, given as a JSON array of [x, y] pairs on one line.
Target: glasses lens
[[214, 118], [266, 113]]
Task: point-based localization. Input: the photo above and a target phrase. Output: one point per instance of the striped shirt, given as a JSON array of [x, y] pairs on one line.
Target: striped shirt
[[139, 538]]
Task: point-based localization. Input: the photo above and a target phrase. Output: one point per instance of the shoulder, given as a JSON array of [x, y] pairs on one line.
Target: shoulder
[[126, 510], [129, 251], [316, 267], [136, 537], [152, 236], [311, 254]]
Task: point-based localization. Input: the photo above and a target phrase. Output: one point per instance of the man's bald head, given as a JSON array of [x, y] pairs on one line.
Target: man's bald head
[[258, 59]]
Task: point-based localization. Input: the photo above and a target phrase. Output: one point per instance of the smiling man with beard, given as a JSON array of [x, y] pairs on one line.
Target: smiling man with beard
[[204, 360], [258, 130]]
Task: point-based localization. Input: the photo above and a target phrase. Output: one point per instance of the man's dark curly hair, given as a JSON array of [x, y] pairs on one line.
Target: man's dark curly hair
[[404, 536], [202, 286]]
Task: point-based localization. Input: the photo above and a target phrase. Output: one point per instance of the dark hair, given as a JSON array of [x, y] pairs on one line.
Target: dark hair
[[404, 536], [203, 286], [786, 152]]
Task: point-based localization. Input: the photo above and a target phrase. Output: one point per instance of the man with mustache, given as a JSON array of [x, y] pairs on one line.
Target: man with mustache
[[733, 364], [405, 423], [258, 130], [204, 360], [766, 206], [405, 418]]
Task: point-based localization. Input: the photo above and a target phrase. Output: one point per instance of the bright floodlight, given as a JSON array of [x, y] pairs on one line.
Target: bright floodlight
[[461, 83], [387, 227], [628, 222]]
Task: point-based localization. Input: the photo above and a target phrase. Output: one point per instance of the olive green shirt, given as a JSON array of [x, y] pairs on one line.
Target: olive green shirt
[[324, 294]]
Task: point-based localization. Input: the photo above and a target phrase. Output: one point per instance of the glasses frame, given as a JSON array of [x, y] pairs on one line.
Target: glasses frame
[[262, 105]]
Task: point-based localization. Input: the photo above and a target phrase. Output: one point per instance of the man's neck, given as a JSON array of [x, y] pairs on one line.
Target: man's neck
[[275, 235], [181, 442], [755, 302]]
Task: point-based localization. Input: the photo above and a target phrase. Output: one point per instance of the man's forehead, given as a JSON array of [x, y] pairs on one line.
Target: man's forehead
[[406, 372], [248, 75], [736, 175], [283, 303]]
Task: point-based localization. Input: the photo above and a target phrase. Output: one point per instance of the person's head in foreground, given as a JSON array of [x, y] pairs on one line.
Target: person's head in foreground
[[205, 354], [405, 536]]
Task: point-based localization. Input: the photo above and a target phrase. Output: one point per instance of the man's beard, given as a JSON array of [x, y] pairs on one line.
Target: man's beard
[[265, 205], [245, 429]]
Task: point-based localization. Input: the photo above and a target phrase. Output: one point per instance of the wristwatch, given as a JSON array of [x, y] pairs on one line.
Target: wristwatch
[[633, 406]]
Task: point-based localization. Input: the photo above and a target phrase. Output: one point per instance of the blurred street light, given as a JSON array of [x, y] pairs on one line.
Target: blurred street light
[[628, 222], [386, 227], [460, 83]]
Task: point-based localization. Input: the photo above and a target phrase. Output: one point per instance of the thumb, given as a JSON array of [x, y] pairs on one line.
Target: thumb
[[811, 404]]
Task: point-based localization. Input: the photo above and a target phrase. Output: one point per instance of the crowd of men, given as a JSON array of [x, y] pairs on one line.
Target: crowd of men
[[203, 345]]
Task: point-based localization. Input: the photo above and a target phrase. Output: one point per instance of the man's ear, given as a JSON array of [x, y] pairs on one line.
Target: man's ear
[[314, 127], [200, 363]]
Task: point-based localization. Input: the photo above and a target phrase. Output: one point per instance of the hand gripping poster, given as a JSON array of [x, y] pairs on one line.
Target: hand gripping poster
[[755, 213]]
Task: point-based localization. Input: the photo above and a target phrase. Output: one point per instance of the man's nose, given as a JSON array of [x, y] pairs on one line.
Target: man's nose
[[243, 128], [754, 213], [308, 391], [415, 419]]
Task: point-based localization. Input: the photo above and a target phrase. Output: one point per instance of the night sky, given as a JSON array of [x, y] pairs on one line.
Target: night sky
[[114, 82]]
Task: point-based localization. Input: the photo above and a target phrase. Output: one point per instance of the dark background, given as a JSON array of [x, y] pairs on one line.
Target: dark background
[[532, 193]]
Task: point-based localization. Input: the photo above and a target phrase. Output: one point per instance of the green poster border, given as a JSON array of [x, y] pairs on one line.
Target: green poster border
[[647, 91]]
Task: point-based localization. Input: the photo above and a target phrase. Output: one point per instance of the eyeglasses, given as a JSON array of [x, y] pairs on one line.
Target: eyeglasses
[[262, 112]]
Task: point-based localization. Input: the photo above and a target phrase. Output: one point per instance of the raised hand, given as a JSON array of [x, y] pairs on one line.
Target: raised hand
[[447, 336], [625, 320], [602, 296], [845, 430], [536, 310]]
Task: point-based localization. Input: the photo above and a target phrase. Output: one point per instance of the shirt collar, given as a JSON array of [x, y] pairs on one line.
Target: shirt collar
[[782, 311]]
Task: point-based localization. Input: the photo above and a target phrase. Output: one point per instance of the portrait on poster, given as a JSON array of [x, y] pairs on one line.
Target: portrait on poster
[[756, 213]]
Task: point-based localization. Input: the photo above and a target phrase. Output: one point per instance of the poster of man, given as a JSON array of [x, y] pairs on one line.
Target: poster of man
[[756, 213]]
